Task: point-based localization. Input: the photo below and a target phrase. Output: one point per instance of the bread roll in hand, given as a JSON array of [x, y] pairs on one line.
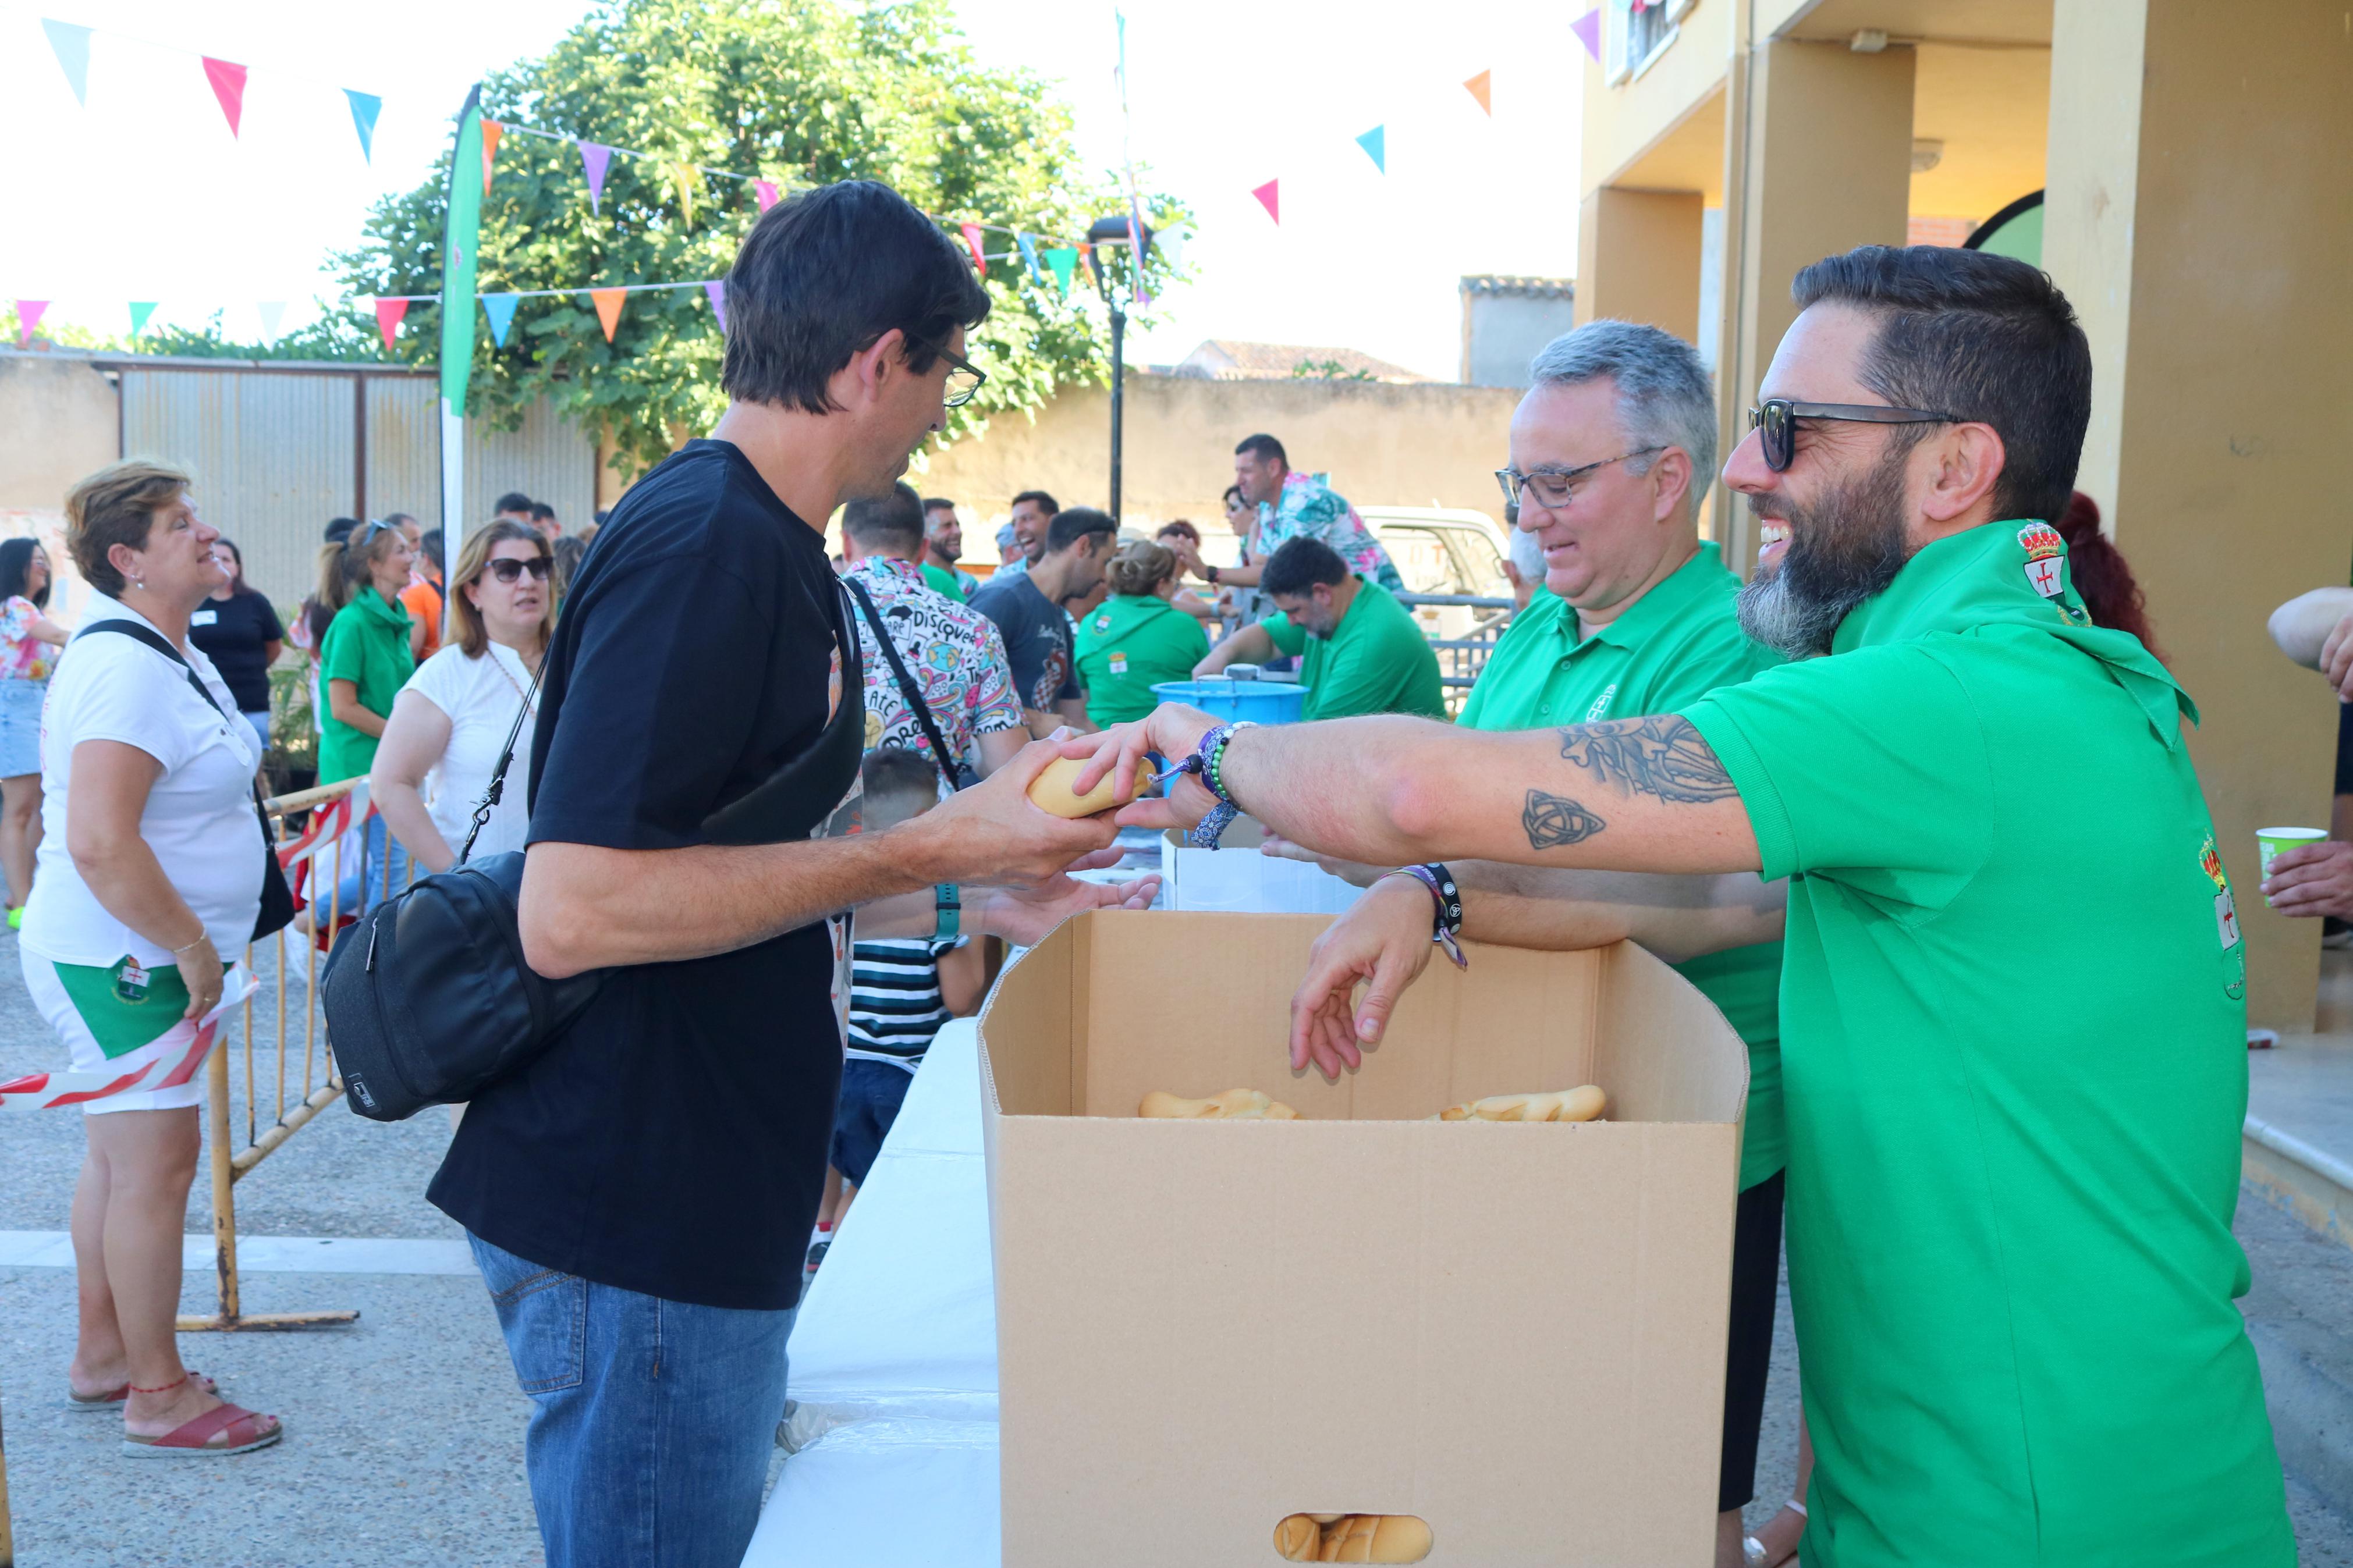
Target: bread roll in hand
[[1051, 790], [1299, 1539], [1581, 1104], [1376, 1538], [1234, 1105]]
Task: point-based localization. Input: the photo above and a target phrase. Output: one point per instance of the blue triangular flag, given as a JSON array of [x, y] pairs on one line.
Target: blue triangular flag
[[73, 46], [1375, 147], [500, 309], [1030, 255], [365, 106]]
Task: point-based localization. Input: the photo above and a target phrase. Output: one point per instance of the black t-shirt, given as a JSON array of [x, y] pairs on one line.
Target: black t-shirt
[[672, 1141], [1037, 640], [232, 631]]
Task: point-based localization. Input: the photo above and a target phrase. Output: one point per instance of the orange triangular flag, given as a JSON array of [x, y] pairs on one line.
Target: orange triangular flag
[[1478, 86], [492, 130], [608, 308]]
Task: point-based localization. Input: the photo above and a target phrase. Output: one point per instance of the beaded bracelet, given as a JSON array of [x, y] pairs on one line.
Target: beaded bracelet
[[1447, 928], [1205, 764]]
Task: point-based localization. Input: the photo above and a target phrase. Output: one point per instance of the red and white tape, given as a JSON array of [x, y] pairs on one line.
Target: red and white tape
[[170, 1059]]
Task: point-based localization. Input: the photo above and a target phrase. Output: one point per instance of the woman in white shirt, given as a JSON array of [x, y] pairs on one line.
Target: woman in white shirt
[[451, 722], [150, 868]]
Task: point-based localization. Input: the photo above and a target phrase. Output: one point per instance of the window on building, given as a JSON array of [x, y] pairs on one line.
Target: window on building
[[1638, 32]]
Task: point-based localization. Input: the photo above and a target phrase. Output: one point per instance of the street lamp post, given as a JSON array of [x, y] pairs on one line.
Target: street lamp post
[[1117, 228]]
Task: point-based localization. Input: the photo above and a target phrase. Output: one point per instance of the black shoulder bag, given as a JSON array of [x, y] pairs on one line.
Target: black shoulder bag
[[952, 768], [277, 899]]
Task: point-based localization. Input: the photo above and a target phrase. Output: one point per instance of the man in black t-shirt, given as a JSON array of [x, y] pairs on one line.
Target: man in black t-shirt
[[1028, 610], [639, 1197]]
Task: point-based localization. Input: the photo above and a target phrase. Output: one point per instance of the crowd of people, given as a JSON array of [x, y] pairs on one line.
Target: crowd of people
[[1827, 796]]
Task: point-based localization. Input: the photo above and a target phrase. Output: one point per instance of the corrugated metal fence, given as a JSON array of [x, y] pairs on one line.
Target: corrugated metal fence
[[279, 448]]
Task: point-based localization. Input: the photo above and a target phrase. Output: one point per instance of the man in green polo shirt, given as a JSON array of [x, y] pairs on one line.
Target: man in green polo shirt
[[1364, 652], [2012, 991]]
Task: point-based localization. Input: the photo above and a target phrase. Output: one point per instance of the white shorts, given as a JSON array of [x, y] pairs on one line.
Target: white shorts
[[49, 995]]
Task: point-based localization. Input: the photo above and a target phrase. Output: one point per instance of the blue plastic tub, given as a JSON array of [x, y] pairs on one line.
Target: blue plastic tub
[[1259, 701]]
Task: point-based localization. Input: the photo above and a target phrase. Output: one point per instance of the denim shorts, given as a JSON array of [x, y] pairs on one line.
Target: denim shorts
[[872, 1092], [20, 727]]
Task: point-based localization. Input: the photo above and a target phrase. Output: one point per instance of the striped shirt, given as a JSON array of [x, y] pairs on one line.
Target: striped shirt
[[894, 1000]]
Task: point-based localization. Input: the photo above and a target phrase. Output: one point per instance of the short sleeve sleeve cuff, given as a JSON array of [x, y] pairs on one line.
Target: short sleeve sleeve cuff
[[1768, 817], [1289, 639]]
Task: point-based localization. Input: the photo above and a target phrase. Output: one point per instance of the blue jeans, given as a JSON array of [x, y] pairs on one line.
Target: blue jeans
[[362, 882], [653, 1419]]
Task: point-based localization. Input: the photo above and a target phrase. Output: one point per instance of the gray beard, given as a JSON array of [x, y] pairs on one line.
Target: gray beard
[[1841, 551]]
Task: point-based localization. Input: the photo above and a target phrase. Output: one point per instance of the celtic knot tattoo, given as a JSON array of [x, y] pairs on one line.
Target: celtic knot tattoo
[[1552, 821], [1660, 755]]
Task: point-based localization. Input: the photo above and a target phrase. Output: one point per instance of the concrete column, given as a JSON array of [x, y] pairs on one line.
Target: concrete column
[[1637, 255], [2196, 215], [1825, 166]]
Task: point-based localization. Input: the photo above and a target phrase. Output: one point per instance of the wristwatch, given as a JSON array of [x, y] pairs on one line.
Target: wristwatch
[[1211, 574], [948, 902]]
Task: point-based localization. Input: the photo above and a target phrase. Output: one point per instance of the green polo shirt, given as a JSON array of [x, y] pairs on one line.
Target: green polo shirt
[[943, 581], [2013, 1038], [1129, 641], [1672, 645], [367, 645], [1374, 661]]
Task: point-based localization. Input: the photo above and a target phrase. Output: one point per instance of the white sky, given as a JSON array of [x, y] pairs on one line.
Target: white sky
[[145, 196]]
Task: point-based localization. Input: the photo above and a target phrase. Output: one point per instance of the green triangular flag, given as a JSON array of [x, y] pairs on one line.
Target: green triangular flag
[[1064, 260], [140, 311]]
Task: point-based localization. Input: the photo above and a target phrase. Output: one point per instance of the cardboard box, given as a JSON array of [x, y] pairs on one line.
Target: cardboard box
[[1514, 1331], [1235, 876]]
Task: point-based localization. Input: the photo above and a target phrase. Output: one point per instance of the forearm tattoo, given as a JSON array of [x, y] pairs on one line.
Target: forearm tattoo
[[1553, 821], [1661, 755]]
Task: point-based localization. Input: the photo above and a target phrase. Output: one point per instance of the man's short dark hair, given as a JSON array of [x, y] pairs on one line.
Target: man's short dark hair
[[1079, 523], [430, 542], [542, 512], [1299, 565], [1046, 504], [513, 501], [937, 503], [823, 276], [341, 528], [1264, 446], [1978, 336], [887, 523]]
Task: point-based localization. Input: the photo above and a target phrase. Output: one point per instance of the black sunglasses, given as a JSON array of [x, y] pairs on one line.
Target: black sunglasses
[[1776, 421], [506, 568]]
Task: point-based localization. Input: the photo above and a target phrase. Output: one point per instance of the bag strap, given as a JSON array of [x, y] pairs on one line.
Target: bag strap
[[907, 687], [490, 800], [157, 641]]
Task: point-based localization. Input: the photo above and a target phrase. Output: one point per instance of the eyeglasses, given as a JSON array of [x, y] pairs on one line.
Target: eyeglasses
[[506, 568], [1556, 487], [964, 378], [1775, 421]]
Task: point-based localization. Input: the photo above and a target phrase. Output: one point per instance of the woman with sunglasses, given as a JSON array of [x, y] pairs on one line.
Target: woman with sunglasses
[[451, 721], [364, 661]]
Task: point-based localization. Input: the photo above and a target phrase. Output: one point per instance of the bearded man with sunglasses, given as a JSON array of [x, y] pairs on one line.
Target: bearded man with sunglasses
[[2010, 1178]]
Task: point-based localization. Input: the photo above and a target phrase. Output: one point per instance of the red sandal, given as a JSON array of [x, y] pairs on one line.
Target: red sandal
[[239, 1431], [116, 1400]]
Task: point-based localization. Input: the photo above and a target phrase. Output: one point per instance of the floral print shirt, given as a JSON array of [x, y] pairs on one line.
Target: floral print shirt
[[23, 656], [1313, 509], [953, 653]]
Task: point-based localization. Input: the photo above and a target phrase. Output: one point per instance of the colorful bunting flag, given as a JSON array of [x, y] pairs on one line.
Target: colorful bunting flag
[[595, 159], [500, 309], [229, 86], [1375, 145], [1064, 260], [1479, 88], [1587, 29], [1095, 263], [1029, 257], [140, 311], [1270, 197], [271, 311], [1138, 247], [388, 314], [683, 178], [764, 192], [28, 316], [72, 46], [717, 292], [365, 107], [492, 132], [608, 308], [971, 232]]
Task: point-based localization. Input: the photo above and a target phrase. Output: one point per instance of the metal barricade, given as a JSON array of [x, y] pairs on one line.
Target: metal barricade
[[259, 1040], [1470, 626]]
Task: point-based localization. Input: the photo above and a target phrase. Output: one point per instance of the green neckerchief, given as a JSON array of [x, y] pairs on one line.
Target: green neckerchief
[[1669, 597], [1986, 577]]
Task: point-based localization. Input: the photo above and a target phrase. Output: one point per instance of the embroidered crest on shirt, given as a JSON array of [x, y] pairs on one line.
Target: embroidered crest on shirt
[[1601, 707], [2226, 913], [2045, 555]]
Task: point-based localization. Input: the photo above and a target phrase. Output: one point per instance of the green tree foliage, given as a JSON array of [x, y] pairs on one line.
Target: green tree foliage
[[802, 92]]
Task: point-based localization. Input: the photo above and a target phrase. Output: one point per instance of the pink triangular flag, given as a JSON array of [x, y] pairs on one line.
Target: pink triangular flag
[[764, 192], [492, 132], [229, 85], [1587, 29], [28, 316], [1268, 197], [595, 159], [608, 308], [971, 232], [717, 292], [388, 314]]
